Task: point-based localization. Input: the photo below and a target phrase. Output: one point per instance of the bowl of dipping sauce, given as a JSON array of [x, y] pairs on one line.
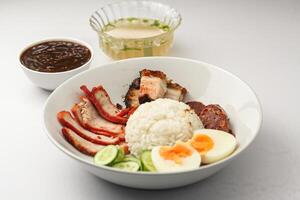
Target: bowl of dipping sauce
[[48, 63], [135, 28]]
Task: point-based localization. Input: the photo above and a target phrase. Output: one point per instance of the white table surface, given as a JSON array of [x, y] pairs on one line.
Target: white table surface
[[257, 40]]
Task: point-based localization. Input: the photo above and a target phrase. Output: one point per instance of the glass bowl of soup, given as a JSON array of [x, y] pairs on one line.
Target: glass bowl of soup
[[135, 28]]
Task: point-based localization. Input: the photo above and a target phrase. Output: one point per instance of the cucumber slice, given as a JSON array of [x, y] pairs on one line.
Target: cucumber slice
[[129, 166], [106, 155], [147, 162], [120, 156], [134, 159]]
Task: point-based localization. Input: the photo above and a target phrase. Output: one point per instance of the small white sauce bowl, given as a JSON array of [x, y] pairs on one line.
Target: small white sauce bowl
[[51, 80]]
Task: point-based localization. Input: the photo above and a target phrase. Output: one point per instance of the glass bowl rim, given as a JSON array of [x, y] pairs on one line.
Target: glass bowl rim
[[165, 33]]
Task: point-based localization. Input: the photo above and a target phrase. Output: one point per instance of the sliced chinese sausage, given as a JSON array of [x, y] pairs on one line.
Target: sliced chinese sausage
[[196, 106], [65, 118], [214, 117], [86, 114], [99, 97], [79, 143]]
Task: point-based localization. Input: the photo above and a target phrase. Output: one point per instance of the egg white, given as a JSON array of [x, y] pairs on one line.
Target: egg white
[[162, 165], [224, 145]]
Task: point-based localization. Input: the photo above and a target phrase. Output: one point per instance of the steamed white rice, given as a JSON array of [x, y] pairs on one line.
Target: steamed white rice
[[160, 122]]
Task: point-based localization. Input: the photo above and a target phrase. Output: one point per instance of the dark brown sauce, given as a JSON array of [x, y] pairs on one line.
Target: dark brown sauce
[[55, 56]]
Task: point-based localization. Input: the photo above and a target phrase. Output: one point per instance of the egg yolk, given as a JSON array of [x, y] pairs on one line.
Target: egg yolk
[[175, 153], [202, 143]]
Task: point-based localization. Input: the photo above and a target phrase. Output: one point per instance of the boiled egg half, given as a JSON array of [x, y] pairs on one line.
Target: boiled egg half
[[212, 145], [179, 157]]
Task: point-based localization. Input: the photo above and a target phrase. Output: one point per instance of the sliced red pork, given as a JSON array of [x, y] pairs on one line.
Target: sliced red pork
[[86, 114], [99, 97], [79, 143], [66, 119]]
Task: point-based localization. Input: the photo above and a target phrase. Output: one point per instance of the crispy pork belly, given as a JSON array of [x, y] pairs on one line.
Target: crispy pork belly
[[175, 91], [132, 95], [66, 119], [153, 85], [86, 114], [79, 143], [99, 97]]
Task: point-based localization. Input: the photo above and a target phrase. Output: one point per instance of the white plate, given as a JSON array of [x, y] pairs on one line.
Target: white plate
[[206, 83]]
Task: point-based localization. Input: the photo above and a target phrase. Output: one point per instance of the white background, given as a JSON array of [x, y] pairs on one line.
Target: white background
[[257, 40]]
